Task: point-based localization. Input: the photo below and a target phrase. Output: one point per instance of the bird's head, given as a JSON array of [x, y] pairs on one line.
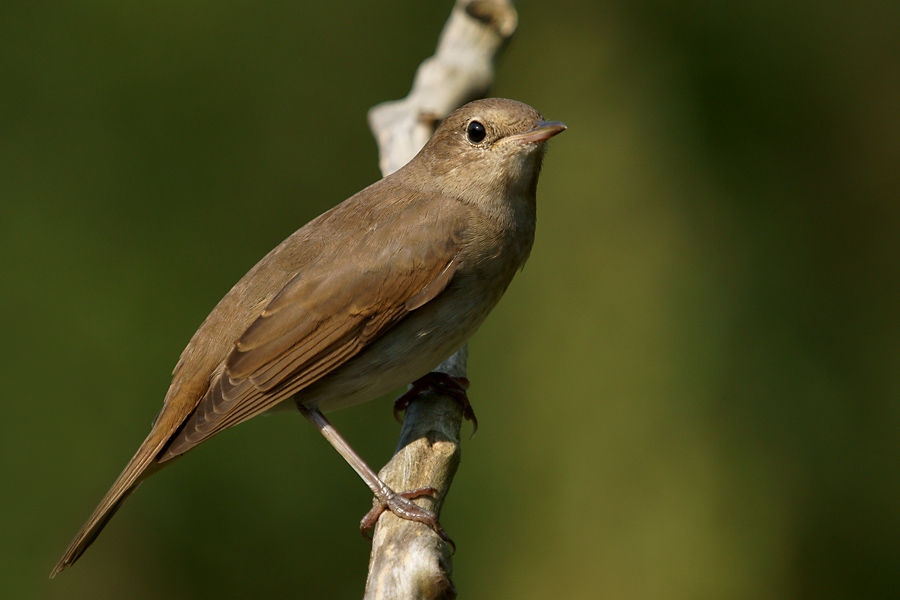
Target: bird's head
[[488, 147]]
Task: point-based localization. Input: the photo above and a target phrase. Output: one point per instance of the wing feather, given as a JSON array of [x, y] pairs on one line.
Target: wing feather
[[323, 317]]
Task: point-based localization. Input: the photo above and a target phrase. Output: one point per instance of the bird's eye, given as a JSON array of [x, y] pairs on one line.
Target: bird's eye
[[475, 132]]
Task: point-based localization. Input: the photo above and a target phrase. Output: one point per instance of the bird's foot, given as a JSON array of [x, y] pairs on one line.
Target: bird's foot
[[402, 506], [440, 383]]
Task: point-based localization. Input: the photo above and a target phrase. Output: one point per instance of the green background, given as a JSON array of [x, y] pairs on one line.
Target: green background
[[691, 391]]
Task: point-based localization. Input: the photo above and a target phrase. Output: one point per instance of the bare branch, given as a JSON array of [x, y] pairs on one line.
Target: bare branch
[[408, 559], [461, 70]]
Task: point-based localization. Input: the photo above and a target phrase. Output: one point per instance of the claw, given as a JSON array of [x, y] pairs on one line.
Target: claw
[[399, 504], [402, 506], [441, 383]]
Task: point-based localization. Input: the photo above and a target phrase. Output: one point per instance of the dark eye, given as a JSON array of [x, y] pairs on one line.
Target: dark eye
[[475, 132]]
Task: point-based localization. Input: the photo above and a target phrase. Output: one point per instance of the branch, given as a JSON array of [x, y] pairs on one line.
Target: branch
[[460, 71], [408, 559]]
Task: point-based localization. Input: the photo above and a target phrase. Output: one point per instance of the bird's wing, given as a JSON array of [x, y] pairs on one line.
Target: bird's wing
[[325, 315]]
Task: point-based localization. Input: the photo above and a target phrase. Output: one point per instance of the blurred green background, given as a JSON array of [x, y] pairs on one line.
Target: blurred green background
[[691, 392]]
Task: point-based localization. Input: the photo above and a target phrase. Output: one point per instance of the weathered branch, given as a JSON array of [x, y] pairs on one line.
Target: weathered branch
[[408, 559], [461, 70]]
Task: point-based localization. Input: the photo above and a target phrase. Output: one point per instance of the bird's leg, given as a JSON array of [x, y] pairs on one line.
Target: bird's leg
[[441, 383], [398, 503]]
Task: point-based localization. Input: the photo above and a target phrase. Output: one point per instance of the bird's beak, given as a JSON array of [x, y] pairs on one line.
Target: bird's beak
[[544, 130]]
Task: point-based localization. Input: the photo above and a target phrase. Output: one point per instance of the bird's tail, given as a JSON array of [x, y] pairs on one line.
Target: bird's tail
[[139, 467]]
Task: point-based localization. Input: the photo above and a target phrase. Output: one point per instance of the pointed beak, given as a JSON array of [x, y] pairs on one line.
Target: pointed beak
[[544, 130]]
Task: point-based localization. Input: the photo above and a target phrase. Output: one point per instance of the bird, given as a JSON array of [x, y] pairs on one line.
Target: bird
[[369, 296]]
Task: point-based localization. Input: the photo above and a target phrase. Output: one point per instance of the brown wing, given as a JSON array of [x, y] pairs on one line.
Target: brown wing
[[326, 314]]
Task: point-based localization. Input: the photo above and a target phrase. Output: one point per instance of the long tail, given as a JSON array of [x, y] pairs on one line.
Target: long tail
[[139, 467], [186, 390]]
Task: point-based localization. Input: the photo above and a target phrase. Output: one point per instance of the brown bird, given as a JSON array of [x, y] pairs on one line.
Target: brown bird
[[367, 297]]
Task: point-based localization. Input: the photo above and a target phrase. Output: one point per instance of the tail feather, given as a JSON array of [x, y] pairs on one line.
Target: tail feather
[[188, 386], [139, 467], [90, 531]]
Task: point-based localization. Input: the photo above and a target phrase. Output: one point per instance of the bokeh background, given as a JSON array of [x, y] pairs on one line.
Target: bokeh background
[[691, 392]]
